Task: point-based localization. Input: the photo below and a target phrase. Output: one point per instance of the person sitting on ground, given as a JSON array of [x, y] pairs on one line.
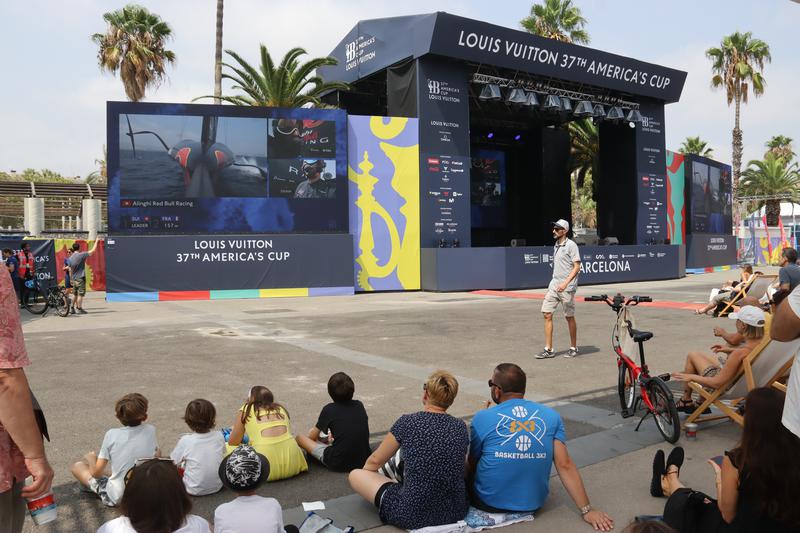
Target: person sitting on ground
[[340, 440], [713, 371], [434, 446], [243, 471], [122, 447], [758, 482], [725, 293], [200, 453], [266, 424], [155, 500], [513, 446]]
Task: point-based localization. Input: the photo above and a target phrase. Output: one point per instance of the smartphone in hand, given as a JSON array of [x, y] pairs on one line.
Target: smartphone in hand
[[718, 460]]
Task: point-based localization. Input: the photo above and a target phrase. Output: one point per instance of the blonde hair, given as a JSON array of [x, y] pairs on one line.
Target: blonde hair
[[753, 332], [442, 388]]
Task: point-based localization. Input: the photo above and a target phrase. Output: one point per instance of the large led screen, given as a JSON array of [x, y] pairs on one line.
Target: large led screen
[[488, 188], [711, 197], [182, 168]]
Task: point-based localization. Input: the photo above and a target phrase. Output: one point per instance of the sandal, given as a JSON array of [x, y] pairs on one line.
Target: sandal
[[685, 406]]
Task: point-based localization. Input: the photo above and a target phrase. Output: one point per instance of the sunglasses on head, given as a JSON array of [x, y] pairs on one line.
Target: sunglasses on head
[[140, 462]]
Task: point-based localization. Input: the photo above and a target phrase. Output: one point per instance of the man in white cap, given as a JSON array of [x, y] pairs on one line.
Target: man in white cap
[[566, 266]]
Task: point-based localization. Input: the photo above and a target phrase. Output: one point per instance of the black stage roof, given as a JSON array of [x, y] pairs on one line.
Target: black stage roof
[[373, 45]]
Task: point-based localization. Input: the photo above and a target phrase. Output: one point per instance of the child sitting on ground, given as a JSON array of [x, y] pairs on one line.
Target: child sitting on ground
[[155, 500], [242, 472], [122, 447], [346, 426], [200, 453], [266, 423]]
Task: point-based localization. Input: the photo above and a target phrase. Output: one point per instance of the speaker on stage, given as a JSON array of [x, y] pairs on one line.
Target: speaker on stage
[[518, 242]]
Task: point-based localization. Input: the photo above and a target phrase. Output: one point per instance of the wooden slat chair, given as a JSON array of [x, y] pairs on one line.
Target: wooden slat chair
[[767, 363], [756, 286]]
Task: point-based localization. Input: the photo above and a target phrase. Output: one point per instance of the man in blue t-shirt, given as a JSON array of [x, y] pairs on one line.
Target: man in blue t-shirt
[[512, 448]]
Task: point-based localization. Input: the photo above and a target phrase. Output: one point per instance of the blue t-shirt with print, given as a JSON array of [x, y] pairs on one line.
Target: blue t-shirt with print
[[512, 444]]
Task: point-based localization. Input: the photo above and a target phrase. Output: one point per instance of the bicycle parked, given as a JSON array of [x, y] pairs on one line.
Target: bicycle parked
[[37, 300], [635, 385]]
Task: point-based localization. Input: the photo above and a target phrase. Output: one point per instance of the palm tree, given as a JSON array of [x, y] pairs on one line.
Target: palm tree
[[695, 145], [781, 146], [773, 176], [584, 161], [218, 55], [737, 66], [99, 176], [281, 86], [557, 19], [134, 45], [584, 150]]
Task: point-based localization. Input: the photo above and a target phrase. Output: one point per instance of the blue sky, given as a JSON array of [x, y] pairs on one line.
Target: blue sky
[[52, 95]]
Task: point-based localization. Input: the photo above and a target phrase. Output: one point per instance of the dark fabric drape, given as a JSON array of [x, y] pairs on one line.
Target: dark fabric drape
[[401, 89]]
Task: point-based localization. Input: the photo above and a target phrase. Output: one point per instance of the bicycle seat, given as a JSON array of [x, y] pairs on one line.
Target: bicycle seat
[[641, 336]]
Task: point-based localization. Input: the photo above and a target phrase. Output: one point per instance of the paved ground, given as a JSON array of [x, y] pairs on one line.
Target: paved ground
[[173, 352]]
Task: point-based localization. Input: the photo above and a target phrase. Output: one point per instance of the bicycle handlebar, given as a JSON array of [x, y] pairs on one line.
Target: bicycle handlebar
[[619, 300]]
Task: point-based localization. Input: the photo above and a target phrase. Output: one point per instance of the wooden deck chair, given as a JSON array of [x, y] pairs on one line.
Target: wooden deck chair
[[768, 362], [756, 286]]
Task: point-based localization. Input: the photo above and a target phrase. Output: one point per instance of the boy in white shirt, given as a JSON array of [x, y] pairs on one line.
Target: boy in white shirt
[[200, 453], [242, 472], [122, 447]]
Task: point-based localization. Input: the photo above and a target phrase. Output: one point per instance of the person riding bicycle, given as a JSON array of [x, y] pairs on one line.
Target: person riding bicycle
[[712, 371]]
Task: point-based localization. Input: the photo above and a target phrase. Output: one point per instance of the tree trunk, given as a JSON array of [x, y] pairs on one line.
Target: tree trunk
[[218, 56], [737, 164], [773, 212]]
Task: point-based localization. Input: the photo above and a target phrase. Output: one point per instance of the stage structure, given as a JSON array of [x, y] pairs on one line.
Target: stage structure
[[492, 105]]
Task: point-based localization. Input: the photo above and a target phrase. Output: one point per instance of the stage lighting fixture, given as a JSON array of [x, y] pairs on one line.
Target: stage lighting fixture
[[552, 103], [517, 137], [490, 91], [516, 96], [599, 111], [566, 104], [634, 116], [490, 135], [615, 113], [583, 109], [531, 99]]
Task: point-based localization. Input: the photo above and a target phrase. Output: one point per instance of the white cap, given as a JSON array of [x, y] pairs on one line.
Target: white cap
[[750, 315], [561, 223]]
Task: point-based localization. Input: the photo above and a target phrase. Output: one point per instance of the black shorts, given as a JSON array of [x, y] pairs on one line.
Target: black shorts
[[381, 491]]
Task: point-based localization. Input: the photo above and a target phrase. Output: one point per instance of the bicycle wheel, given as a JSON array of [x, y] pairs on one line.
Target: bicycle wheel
[[664, 410], [626, 386], [35, 301], [60, 301]]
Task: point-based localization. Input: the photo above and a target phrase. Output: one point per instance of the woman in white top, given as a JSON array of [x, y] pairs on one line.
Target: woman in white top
[[155, 501]]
